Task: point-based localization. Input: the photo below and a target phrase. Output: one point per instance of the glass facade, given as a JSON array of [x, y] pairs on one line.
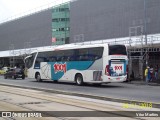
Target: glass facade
[[60, 24]]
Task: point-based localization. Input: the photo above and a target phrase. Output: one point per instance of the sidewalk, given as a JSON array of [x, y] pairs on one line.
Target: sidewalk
[[142, 82]]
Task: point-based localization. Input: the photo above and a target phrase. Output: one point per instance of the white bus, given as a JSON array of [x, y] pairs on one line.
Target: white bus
[[99, 63]]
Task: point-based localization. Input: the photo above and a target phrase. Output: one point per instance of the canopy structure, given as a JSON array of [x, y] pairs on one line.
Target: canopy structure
[[11, 53], [134, 41], [14, 53], [20, 52], [4, 54]]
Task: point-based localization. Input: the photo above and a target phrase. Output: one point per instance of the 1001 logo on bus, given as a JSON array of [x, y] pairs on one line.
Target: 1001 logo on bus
[[118, 67], [60, 67]]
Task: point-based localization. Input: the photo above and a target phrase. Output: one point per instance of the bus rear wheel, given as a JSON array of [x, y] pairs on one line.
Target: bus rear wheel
[[38, 77], [79, 79]]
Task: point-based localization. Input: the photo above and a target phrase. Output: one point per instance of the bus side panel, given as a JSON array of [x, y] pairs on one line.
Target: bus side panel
[[68, 70], [97, 65], [87, 72], [105, 60], [45, 70], [70, 75], [62, 70]]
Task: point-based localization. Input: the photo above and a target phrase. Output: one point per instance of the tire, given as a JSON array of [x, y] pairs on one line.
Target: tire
[[55, 81], [5, 77], [38, 77], [79, 80], [23, 77], [14, 77], [97, 84]]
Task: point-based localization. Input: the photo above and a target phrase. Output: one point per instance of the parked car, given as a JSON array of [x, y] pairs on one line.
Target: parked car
[[14, 73], [3, 70]]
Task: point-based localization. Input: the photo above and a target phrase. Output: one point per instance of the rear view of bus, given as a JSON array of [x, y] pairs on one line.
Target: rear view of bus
[[115, 63]]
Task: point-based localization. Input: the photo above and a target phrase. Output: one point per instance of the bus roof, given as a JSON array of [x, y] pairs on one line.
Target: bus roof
[[68, 46]]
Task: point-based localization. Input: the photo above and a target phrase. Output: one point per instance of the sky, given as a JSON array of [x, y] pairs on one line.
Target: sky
[[10, 9]]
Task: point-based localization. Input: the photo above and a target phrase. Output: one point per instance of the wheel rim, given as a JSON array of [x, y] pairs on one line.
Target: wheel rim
[[79, 80]]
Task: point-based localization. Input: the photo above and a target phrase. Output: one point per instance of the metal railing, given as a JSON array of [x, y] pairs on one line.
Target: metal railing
[[128, 41]]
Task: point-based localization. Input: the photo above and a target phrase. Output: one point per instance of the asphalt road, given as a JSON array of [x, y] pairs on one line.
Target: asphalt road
[[127, 91], [48, 106]]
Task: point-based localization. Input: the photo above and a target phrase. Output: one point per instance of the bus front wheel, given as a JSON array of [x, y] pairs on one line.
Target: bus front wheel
[[79, 79], [38, 77]]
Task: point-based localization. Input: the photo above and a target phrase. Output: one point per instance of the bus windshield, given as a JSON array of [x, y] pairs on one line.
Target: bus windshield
[[29, 60], [117, 50]]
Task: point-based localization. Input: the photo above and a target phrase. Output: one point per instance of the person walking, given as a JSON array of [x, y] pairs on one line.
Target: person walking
[[147, 74], [156, 73], [151, 73]]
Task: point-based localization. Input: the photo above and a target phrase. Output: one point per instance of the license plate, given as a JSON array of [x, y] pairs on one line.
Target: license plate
[[117, 78]]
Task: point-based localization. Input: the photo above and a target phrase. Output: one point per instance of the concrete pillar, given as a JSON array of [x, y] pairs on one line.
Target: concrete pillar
[[141, 66]]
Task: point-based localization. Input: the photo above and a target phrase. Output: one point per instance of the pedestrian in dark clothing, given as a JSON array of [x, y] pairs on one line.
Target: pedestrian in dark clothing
[[151, 73], [156, 73]]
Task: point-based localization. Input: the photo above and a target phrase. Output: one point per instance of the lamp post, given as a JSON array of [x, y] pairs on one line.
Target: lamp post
[[145, 31], [145, 22]]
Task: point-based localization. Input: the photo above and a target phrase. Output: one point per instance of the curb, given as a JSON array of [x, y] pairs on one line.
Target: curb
[[143, 83], [126, 101]]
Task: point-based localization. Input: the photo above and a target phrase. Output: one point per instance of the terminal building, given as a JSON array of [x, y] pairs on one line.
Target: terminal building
[[131, 22]]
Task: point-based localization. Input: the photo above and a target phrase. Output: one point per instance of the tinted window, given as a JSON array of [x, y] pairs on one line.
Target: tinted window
[[117, 50], [82, 54], [86, 54], [95, 53], [64, 55], [68, 55], [41, 57], [89, 54]]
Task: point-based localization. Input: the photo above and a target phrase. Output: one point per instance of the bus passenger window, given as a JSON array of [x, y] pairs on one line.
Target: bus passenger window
[[68, 59]]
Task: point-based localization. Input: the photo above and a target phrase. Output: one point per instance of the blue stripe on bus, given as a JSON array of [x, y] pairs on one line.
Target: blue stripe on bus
[[58, 68]]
